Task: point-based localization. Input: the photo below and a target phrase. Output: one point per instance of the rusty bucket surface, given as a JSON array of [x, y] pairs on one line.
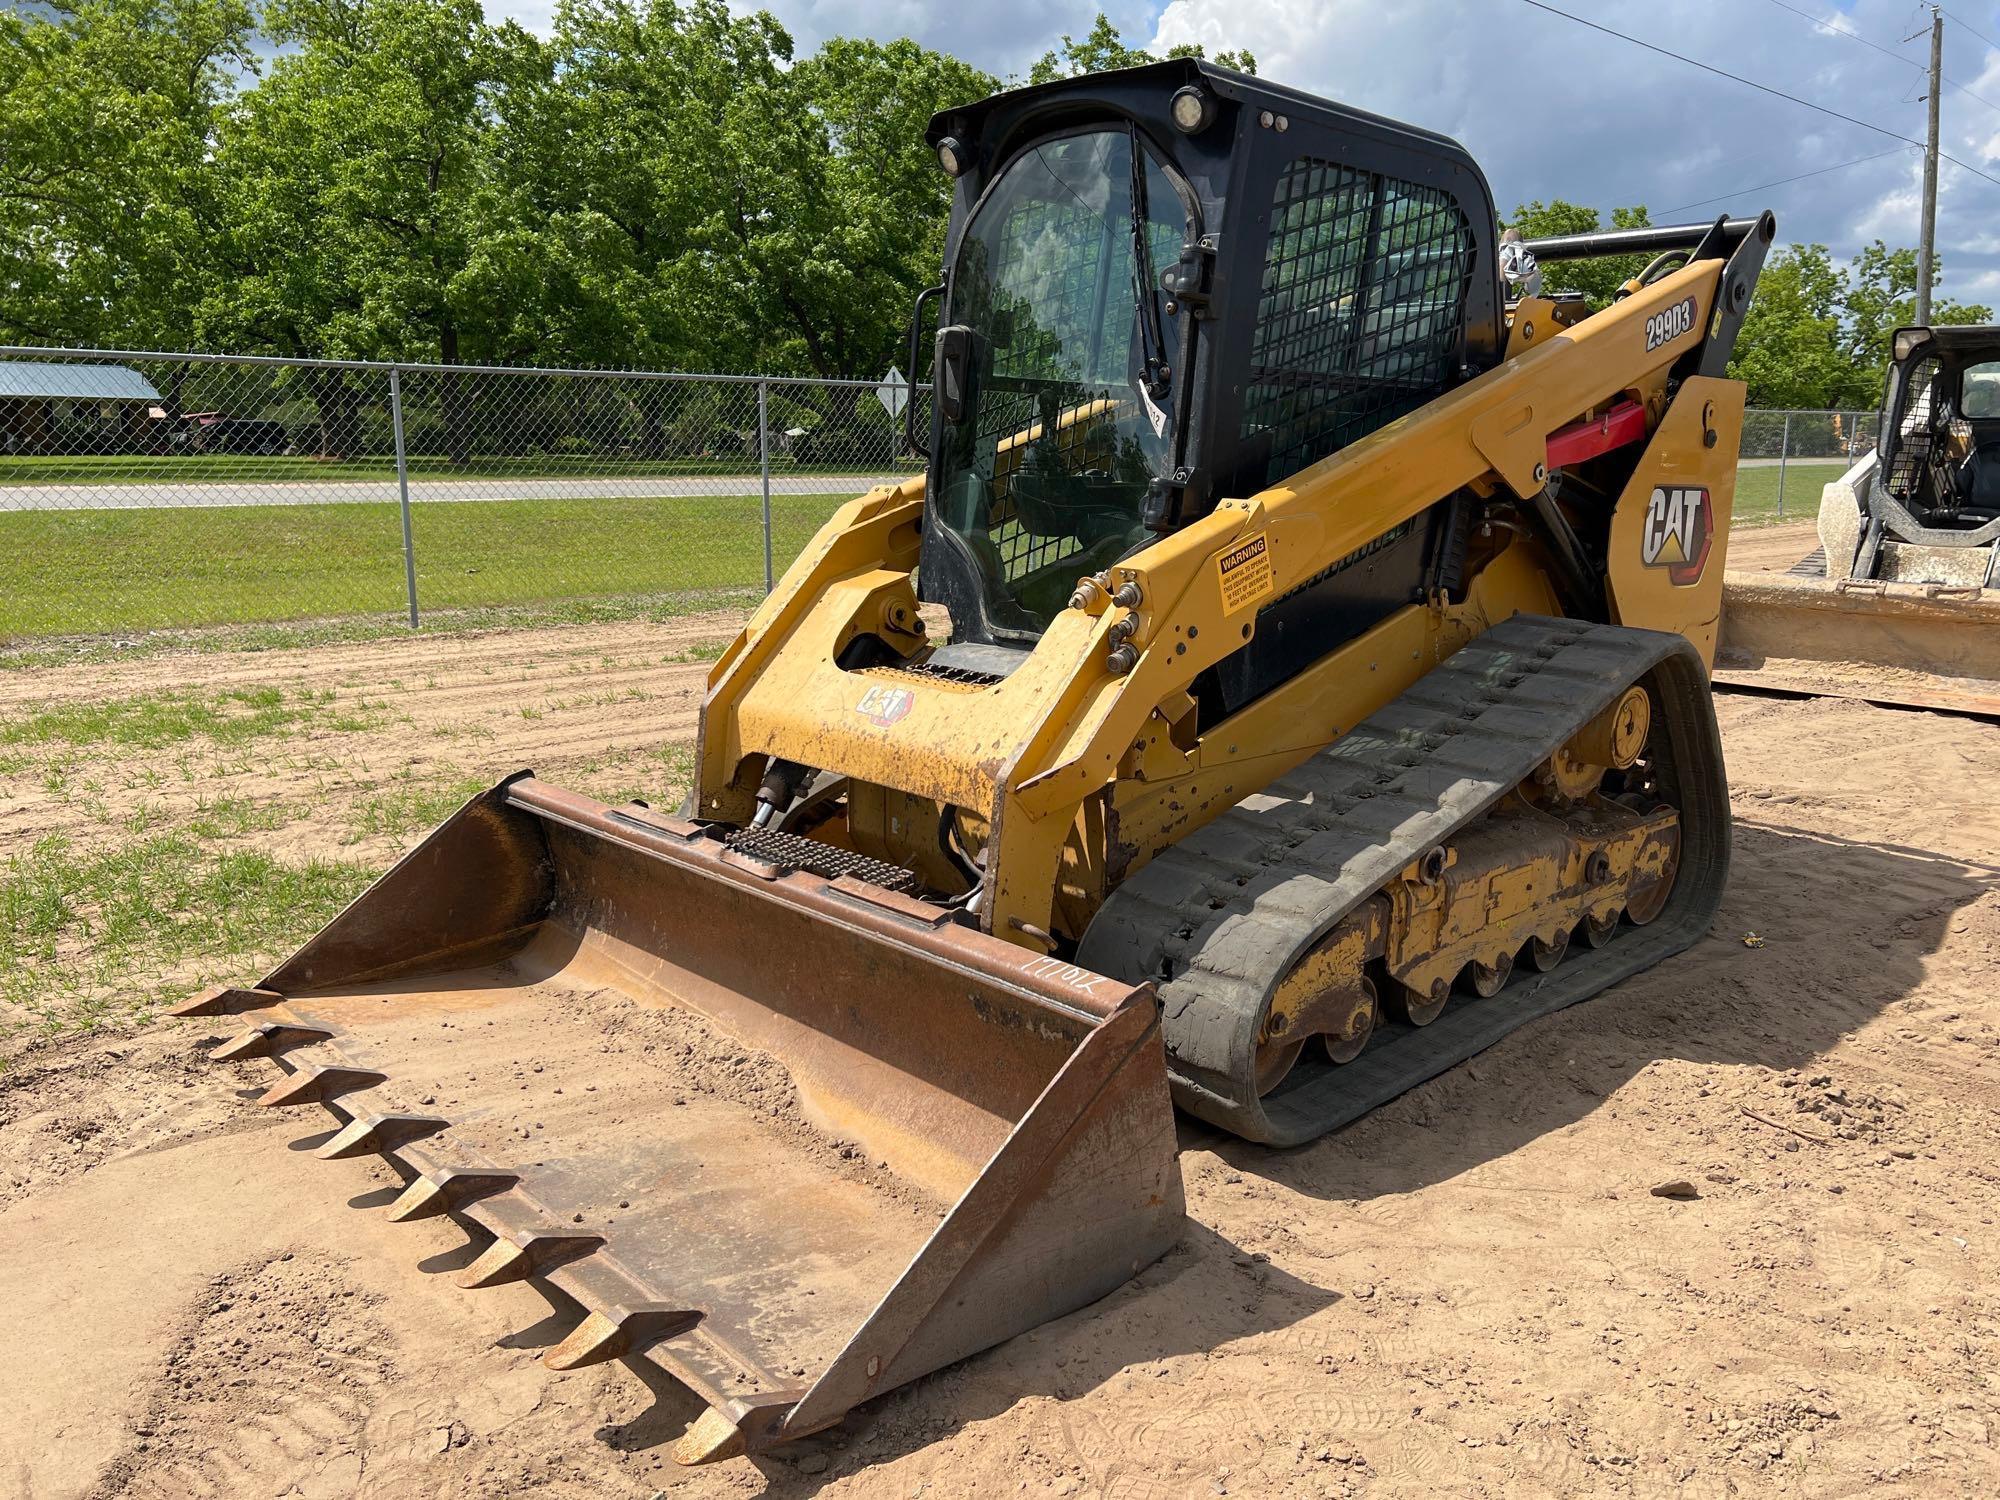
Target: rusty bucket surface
[[793, 1140], [1917, 645]]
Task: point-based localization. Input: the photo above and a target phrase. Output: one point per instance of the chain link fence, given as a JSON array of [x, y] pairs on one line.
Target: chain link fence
[[143, 491], [1787, 457]]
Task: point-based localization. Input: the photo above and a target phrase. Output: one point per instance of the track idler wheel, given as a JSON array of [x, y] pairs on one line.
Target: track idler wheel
[[1413, 1005], [1545, 956], [1275, 1061], [1647, 902], [1345, 1046], [1487, 980]]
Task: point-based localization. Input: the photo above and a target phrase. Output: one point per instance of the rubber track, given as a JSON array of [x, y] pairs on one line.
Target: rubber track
[[1216, 921]]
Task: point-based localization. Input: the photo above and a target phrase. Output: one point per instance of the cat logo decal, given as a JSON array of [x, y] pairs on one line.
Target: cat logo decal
[[885, 705], [1677, 533]]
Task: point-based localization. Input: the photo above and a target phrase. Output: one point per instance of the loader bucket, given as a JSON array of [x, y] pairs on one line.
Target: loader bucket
[[1918, 645], [793, 1140]]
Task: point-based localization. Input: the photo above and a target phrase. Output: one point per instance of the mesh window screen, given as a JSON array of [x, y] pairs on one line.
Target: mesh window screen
[[1913, 431], [1361, 312]]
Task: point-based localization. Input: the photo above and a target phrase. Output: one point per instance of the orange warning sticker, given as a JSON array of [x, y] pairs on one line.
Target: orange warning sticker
[[1245, 570]]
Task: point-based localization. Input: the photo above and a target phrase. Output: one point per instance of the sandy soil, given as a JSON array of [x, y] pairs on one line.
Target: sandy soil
[[1770, 549], [595, 704], [1473, 1291]]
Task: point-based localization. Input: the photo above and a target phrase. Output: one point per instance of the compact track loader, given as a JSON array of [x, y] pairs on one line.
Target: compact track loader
[[1325, 694], [1900, 603]]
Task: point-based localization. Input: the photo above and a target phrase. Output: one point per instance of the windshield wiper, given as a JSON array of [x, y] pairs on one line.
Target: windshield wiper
[[1152, 338]]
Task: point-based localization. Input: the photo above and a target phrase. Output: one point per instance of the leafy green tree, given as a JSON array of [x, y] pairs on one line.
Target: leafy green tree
[[689, 194], [622, 153], [1882, 297], [843, 208], [108, 110], [1104, 49], [1599, 279], [1792, 350], [358, 184], [1817, 334]]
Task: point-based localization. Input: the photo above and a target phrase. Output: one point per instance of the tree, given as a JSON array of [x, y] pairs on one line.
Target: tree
[[108, 111], [1882, 297], [1817, 334], [622, 153], [1104, 49], [357, 180], [842, 210], [1599, 279], [1791, 351]]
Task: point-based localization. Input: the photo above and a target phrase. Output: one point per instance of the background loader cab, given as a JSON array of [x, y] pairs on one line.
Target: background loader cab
[[1925, 507], [1899, 603]]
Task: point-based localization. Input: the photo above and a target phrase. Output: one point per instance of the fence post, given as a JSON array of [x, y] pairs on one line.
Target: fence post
[[403, 491], [1784, 456], [764, 461]]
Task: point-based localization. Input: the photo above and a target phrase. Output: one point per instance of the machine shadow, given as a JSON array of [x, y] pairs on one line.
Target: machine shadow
[[1843, 926], [1202, 1295]]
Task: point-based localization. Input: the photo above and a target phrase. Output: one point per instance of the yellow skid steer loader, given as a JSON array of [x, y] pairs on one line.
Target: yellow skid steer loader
[[1900, 603], [1328, 637]]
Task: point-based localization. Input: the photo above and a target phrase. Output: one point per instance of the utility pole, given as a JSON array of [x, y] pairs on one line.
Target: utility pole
[[1927, 234]]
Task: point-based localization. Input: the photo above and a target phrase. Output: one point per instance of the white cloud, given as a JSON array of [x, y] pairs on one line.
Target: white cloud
[[1552, 109]]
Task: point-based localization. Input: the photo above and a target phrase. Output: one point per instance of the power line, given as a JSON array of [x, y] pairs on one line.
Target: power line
[[1855, 36], [1980, 34], [1782, 181], [1762, 88], [1843, 31]]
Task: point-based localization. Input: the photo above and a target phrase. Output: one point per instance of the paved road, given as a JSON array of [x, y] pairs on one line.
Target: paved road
[[167, 495]]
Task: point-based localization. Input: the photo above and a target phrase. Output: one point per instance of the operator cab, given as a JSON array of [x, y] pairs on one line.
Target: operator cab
[[1172, 284], [1939, 443]]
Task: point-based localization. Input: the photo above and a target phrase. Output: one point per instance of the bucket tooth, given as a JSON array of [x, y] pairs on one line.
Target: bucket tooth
[[368, 1134], [713, 1438], [533, 1254], [445, 1190], [748, 1424], [315, 1085], [619, 1331], [268, 1038], [225, 1000]]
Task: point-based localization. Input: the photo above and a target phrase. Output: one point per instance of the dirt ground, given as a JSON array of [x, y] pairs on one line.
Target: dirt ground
[[1770, 549], [1473, 1291]]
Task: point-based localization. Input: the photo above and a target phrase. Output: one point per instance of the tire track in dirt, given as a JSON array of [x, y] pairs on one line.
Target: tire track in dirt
[[1470, 1291]]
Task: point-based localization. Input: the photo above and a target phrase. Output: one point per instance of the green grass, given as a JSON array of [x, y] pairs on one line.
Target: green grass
[[404, 810], [1757, 491], [68, 573], [152, 720], [250, 468], [235, 818], [91, 937], [282, 576], [86, 650]]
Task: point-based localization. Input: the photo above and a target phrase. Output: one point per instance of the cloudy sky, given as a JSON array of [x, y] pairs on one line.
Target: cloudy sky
[[1551, 108]]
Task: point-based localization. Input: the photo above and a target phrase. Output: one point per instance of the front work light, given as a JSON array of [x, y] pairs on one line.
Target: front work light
[[953, 156], [1192, 109]]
